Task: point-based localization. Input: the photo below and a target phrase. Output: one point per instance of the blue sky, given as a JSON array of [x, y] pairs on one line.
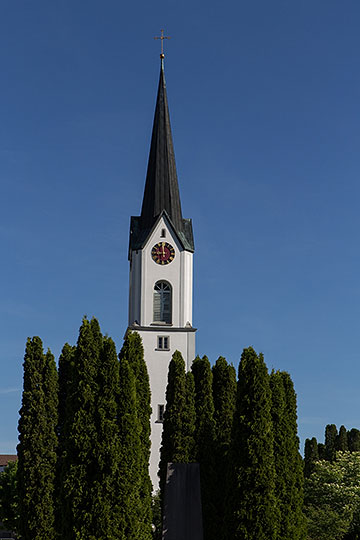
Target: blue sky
[[264, 103]]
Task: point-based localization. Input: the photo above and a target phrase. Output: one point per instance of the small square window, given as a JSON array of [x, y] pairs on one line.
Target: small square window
[[163, 233], [161, 410], [163, 343]]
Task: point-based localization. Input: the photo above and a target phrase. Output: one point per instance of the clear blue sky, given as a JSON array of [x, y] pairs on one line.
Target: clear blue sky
[[265, 106]]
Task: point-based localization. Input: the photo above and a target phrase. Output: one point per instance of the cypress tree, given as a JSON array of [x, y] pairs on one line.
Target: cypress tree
[[66, 361], [341, 442], [128, 480], [37, 444], [133, 352], [252, 508], [105, 496], [354, 440], [331, 434], [224, 394], [173, 449], [289, 487], [322, 451], [205, 443], [189, 419], [80, 440], [311, 455]]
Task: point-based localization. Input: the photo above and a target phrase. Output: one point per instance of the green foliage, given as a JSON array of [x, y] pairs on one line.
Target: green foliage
[[205, 443], [174, 444], [332, 498], [79, 439], [89, 437], [331, 435], [311, 455], [224, 394], [9, 502], [252, 506], [133, 352], [354, 440], [128, 480], [288, 463], [189, 419], [37, 444], [156, 513], [341, 442]]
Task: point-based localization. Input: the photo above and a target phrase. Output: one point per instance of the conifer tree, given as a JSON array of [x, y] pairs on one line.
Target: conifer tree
[[224, 394], [205, 443], [37, 444], [311, 455], [80, 439], [133, 352], [252, 508], [354, 440], [341, 442], [189, 421], [321, 450], [173, 449], [104, 493], [288, 463], [66, 361], [128, 480], [331, 434]]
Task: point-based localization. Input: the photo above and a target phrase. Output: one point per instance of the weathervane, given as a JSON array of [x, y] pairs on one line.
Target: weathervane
[[162, 37]]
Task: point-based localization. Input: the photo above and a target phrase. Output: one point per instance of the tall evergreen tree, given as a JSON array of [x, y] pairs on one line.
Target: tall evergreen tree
[[133, 352], [224, 394], [37, 444], [80, 439], [354, 440], [66, 364], [311, 455], [173, 449], [128, 480], [341, 442], [331, 434], [205, 443], [104, 493], [252, 508], [289, 487], [189, 419]]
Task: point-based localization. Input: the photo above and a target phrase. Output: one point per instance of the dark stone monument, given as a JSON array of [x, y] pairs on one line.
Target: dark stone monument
[[182, 503]]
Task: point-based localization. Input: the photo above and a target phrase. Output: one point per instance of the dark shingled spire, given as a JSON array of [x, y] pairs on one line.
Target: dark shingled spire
[[161, 188], [161, 193]]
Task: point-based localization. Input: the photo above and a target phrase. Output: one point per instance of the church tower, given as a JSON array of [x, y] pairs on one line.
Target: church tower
[[161, 251]]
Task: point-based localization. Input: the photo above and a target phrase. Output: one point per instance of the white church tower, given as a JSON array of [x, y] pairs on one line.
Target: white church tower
[[161, 270]]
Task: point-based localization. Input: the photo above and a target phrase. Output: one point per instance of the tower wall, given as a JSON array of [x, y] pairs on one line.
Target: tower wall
[[144, 274]]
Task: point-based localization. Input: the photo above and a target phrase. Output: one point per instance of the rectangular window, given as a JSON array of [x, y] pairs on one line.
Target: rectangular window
[[163, 343], [163, 233], [161, 410]]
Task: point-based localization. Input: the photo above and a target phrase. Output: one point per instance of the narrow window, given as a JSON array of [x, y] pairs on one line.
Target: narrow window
[[163, 343], [163, 233], [161, 410], [162, 303]]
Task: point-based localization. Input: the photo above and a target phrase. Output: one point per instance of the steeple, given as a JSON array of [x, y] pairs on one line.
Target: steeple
[[161, 187], [161, 194]]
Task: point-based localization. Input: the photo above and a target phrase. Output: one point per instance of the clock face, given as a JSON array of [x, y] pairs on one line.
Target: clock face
[[163, 253]]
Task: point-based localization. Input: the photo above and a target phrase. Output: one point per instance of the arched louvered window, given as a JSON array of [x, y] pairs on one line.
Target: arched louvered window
[[162, 302]]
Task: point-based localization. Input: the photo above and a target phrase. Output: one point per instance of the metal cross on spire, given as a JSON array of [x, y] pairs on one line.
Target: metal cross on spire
[[162, 37]]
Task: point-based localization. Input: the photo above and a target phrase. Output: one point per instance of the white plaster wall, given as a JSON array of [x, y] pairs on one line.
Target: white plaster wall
[[157, 364]]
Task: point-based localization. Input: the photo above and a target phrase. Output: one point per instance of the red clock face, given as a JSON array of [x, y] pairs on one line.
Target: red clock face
[[163, 253]]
